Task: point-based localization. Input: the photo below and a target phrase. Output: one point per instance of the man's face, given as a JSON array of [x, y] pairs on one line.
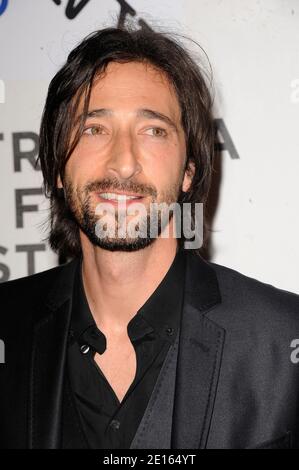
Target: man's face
[[133, 144]]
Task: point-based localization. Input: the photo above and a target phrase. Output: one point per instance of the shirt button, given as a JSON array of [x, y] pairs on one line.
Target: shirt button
[[170, 331], [84, 349], [115, 424]]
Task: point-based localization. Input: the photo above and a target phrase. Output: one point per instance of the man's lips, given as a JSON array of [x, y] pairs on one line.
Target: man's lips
[[120, 198]]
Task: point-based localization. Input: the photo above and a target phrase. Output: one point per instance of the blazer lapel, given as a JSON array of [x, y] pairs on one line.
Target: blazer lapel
[[199, 359], [48, 363]]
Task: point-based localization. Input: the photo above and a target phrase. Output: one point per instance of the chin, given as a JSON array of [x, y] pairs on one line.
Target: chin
[[120, 244]]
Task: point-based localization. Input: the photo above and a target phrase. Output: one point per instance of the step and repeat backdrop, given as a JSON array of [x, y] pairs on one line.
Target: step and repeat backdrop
[[253, 47]]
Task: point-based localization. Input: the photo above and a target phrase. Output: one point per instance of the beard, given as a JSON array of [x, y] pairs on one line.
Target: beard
[[83, 210]]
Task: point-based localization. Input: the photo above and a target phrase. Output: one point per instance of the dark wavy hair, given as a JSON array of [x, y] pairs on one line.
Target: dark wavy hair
[[74, 81]]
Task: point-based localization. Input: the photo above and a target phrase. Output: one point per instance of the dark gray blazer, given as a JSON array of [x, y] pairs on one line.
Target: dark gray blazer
[[235, 386]]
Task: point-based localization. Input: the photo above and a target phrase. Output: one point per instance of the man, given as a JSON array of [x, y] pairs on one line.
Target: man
[[137, 341]]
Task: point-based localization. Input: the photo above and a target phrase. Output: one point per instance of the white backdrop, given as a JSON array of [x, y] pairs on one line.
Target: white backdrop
[[254, 50]]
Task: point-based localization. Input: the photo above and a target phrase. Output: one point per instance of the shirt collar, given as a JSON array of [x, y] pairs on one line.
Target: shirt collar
[[160, 314], [162, 310]]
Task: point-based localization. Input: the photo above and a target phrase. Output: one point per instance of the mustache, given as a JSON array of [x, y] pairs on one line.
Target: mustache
[[110, 184]]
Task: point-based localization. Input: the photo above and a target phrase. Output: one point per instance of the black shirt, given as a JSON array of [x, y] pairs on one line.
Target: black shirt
[[106, 422]]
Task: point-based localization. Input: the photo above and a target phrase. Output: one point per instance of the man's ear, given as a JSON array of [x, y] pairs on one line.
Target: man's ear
[[188, 177], [59, 182]]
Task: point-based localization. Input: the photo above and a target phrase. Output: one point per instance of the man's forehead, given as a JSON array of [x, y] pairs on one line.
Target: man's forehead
[[133, 69], [115, 90]]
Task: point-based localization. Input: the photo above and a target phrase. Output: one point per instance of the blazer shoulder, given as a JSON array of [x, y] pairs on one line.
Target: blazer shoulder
[[29, 282], [29, 289], [255, 299]]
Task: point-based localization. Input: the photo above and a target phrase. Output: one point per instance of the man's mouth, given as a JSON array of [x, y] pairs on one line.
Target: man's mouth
[[116, 198]]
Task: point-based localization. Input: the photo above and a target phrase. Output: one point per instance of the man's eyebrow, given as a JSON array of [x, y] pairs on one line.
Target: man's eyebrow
[[102, 112], [146, 113], [151, 114]]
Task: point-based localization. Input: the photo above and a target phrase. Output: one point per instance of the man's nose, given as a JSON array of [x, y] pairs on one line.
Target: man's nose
[[124, 161]]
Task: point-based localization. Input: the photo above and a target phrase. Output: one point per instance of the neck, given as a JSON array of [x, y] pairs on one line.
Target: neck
[[117, 283]]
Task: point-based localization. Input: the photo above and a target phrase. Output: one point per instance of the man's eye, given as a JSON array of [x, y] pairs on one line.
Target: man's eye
[[93, 130], [158, 132]]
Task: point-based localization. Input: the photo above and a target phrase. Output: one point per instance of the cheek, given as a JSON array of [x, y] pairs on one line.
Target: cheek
[[161, 153], [81, 168], [168, 167]]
